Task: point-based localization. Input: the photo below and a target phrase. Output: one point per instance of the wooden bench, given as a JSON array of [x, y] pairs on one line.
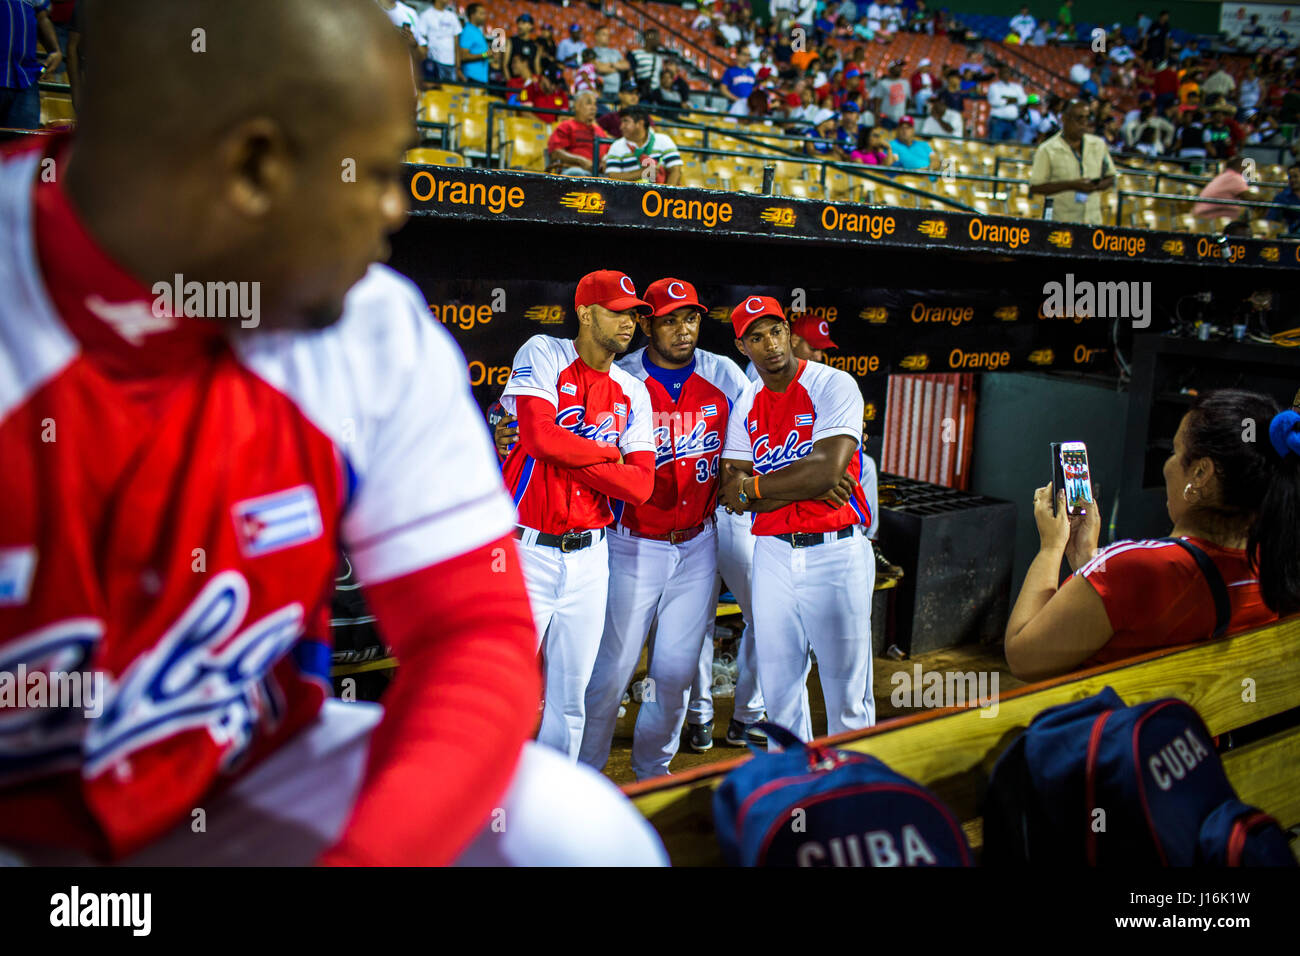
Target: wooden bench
[[952, 751]]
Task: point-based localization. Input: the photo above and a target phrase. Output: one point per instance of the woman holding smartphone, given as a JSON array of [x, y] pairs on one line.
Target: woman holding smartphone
[[1234, 498]]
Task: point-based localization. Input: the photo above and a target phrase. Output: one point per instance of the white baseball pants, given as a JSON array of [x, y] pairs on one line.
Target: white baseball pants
[[735, 567], [817, 599], [647, 580], [567, 592], [293, 806]]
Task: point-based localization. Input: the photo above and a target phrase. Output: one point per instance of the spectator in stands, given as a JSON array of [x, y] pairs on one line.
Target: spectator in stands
[[1288, 197], [850, 135], [524, 46], [1023, 24], [569, 52], [875, 17], [878, 151], [942, 121], [1065, 16], [666, 93], [1136, 122], [952, 96], [924, 85], [475, 51], [647, 62], [628, 97], [737, 83], [439, 26], [1237, 501], [1033, 122], [585, 77], [1006, 97], [1042, 31], [1222, 135], [1119, 51], [1191, 84], [1079, 73], [1190, 139], [1249, 93], [641, 153], [1164, 83], [572, 142], [912, 153], [1229, 184], [1148, 143], [402, 17], [521, 74], [1074, 168], [609, 62], [1218, 83], [1192, 105], [822, 137], [21, 23], [889, 98], [546, 90], [729, 33], [546, 44], [920, 20], [1156, 44]]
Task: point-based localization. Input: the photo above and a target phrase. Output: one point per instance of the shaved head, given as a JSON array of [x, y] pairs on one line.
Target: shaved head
[[245, 140]]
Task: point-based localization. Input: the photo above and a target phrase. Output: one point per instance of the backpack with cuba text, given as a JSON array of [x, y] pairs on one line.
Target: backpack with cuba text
[[816, 806], [1098, 783]]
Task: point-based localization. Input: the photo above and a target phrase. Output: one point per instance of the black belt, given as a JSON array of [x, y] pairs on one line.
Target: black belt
[[801, 540], [569, 541]]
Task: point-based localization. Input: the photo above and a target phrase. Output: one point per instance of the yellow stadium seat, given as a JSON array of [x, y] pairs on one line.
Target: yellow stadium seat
[[434, 157], [801, 188], [436, 106], [471, 130], [56, 109], [747, 184], [789, 170], [841, 186]]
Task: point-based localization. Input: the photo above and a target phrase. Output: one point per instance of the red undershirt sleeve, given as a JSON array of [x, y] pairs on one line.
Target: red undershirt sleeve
[[457, 714], [545, 441], [632, 481]]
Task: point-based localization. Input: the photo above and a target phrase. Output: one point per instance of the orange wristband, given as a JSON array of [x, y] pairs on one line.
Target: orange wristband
[[756, 494]]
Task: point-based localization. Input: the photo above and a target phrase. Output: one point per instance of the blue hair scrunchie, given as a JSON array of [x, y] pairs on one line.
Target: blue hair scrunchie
[[1284, 433]]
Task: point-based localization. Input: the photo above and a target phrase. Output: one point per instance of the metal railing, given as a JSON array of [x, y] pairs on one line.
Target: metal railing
[[1174, 197]]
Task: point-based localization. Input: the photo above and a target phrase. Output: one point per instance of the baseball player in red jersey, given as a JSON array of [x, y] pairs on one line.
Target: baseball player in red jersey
[[793, 460], [584, 439], [179, 477], [663, 553]]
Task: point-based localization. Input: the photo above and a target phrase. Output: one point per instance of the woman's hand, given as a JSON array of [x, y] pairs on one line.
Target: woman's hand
[[1053, 530], [1085, 529]]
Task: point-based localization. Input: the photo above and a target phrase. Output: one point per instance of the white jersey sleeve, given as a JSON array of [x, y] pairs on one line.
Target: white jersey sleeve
[[838, 404], [535, 371], [391, 389], [723, 373], [739, 447], [638, 436]]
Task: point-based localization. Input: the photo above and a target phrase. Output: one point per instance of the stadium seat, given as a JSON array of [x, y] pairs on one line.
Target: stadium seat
[[747, 184], [471, 133], [56, 109], [436, 106], [523, 142], [800, 188], [434, 157]]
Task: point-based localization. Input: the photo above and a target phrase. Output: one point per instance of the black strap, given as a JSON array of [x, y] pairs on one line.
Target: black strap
[[1218, 590]]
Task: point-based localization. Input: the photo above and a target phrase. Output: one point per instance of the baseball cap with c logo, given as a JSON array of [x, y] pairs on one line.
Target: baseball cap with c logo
[[751, 309], [668, 295], [613, 290]]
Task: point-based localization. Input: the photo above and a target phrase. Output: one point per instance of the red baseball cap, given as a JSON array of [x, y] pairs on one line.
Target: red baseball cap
[[668, 295], [751, 309], [816, 332], [612, 289], [906, 121]]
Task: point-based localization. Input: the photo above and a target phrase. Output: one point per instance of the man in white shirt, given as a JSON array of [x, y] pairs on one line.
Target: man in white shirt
[[941, 120], [1005, 97], [876, 16], [1023, 24], [439, 26], [642, 154]]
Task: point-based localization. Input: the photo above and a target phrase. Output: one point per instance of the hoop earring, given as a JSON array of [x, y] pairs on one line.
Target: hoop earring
[[1186, 496]]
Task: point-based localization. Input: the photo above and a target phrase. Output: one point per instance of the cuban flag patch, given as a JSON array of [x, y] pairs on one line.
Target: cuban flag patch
[[708, 410], [620, 408], [277, 521], [17, 566], [803, 421], [752, 425], [569, 388], [523, 371]]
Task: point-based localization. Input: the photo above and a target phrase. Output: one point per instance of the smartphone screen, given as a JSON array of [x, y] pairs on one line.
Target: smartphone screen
[[1071, 473]]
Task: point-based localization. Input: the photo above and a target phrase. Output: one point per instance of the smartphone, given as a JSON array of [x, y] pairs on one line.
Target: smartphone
[[1070, 472]]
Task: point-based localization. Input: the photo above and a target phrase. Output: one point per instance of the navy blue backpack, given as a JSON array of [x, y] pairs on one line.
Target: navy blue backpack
[[1096, 783], [816, 806]]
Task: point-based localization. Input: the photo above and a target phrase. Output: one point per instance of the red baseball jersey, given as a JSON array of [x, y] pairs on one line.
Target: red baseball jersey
[[603, 406], [1156, 596], [773, 429], [172, 504], [689, 434]]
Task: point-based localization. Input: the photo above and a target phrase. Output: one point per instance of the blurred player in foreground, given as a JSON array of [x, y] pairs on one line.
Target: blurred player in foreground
[[180, 473]]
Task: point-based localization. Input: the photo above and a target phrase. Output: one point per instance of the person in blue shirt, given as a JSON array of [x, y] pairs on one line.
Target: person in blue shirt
[[738, 82], [912, 153], [474, 46], [821, 136], [21, 21], [1289, 197]]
